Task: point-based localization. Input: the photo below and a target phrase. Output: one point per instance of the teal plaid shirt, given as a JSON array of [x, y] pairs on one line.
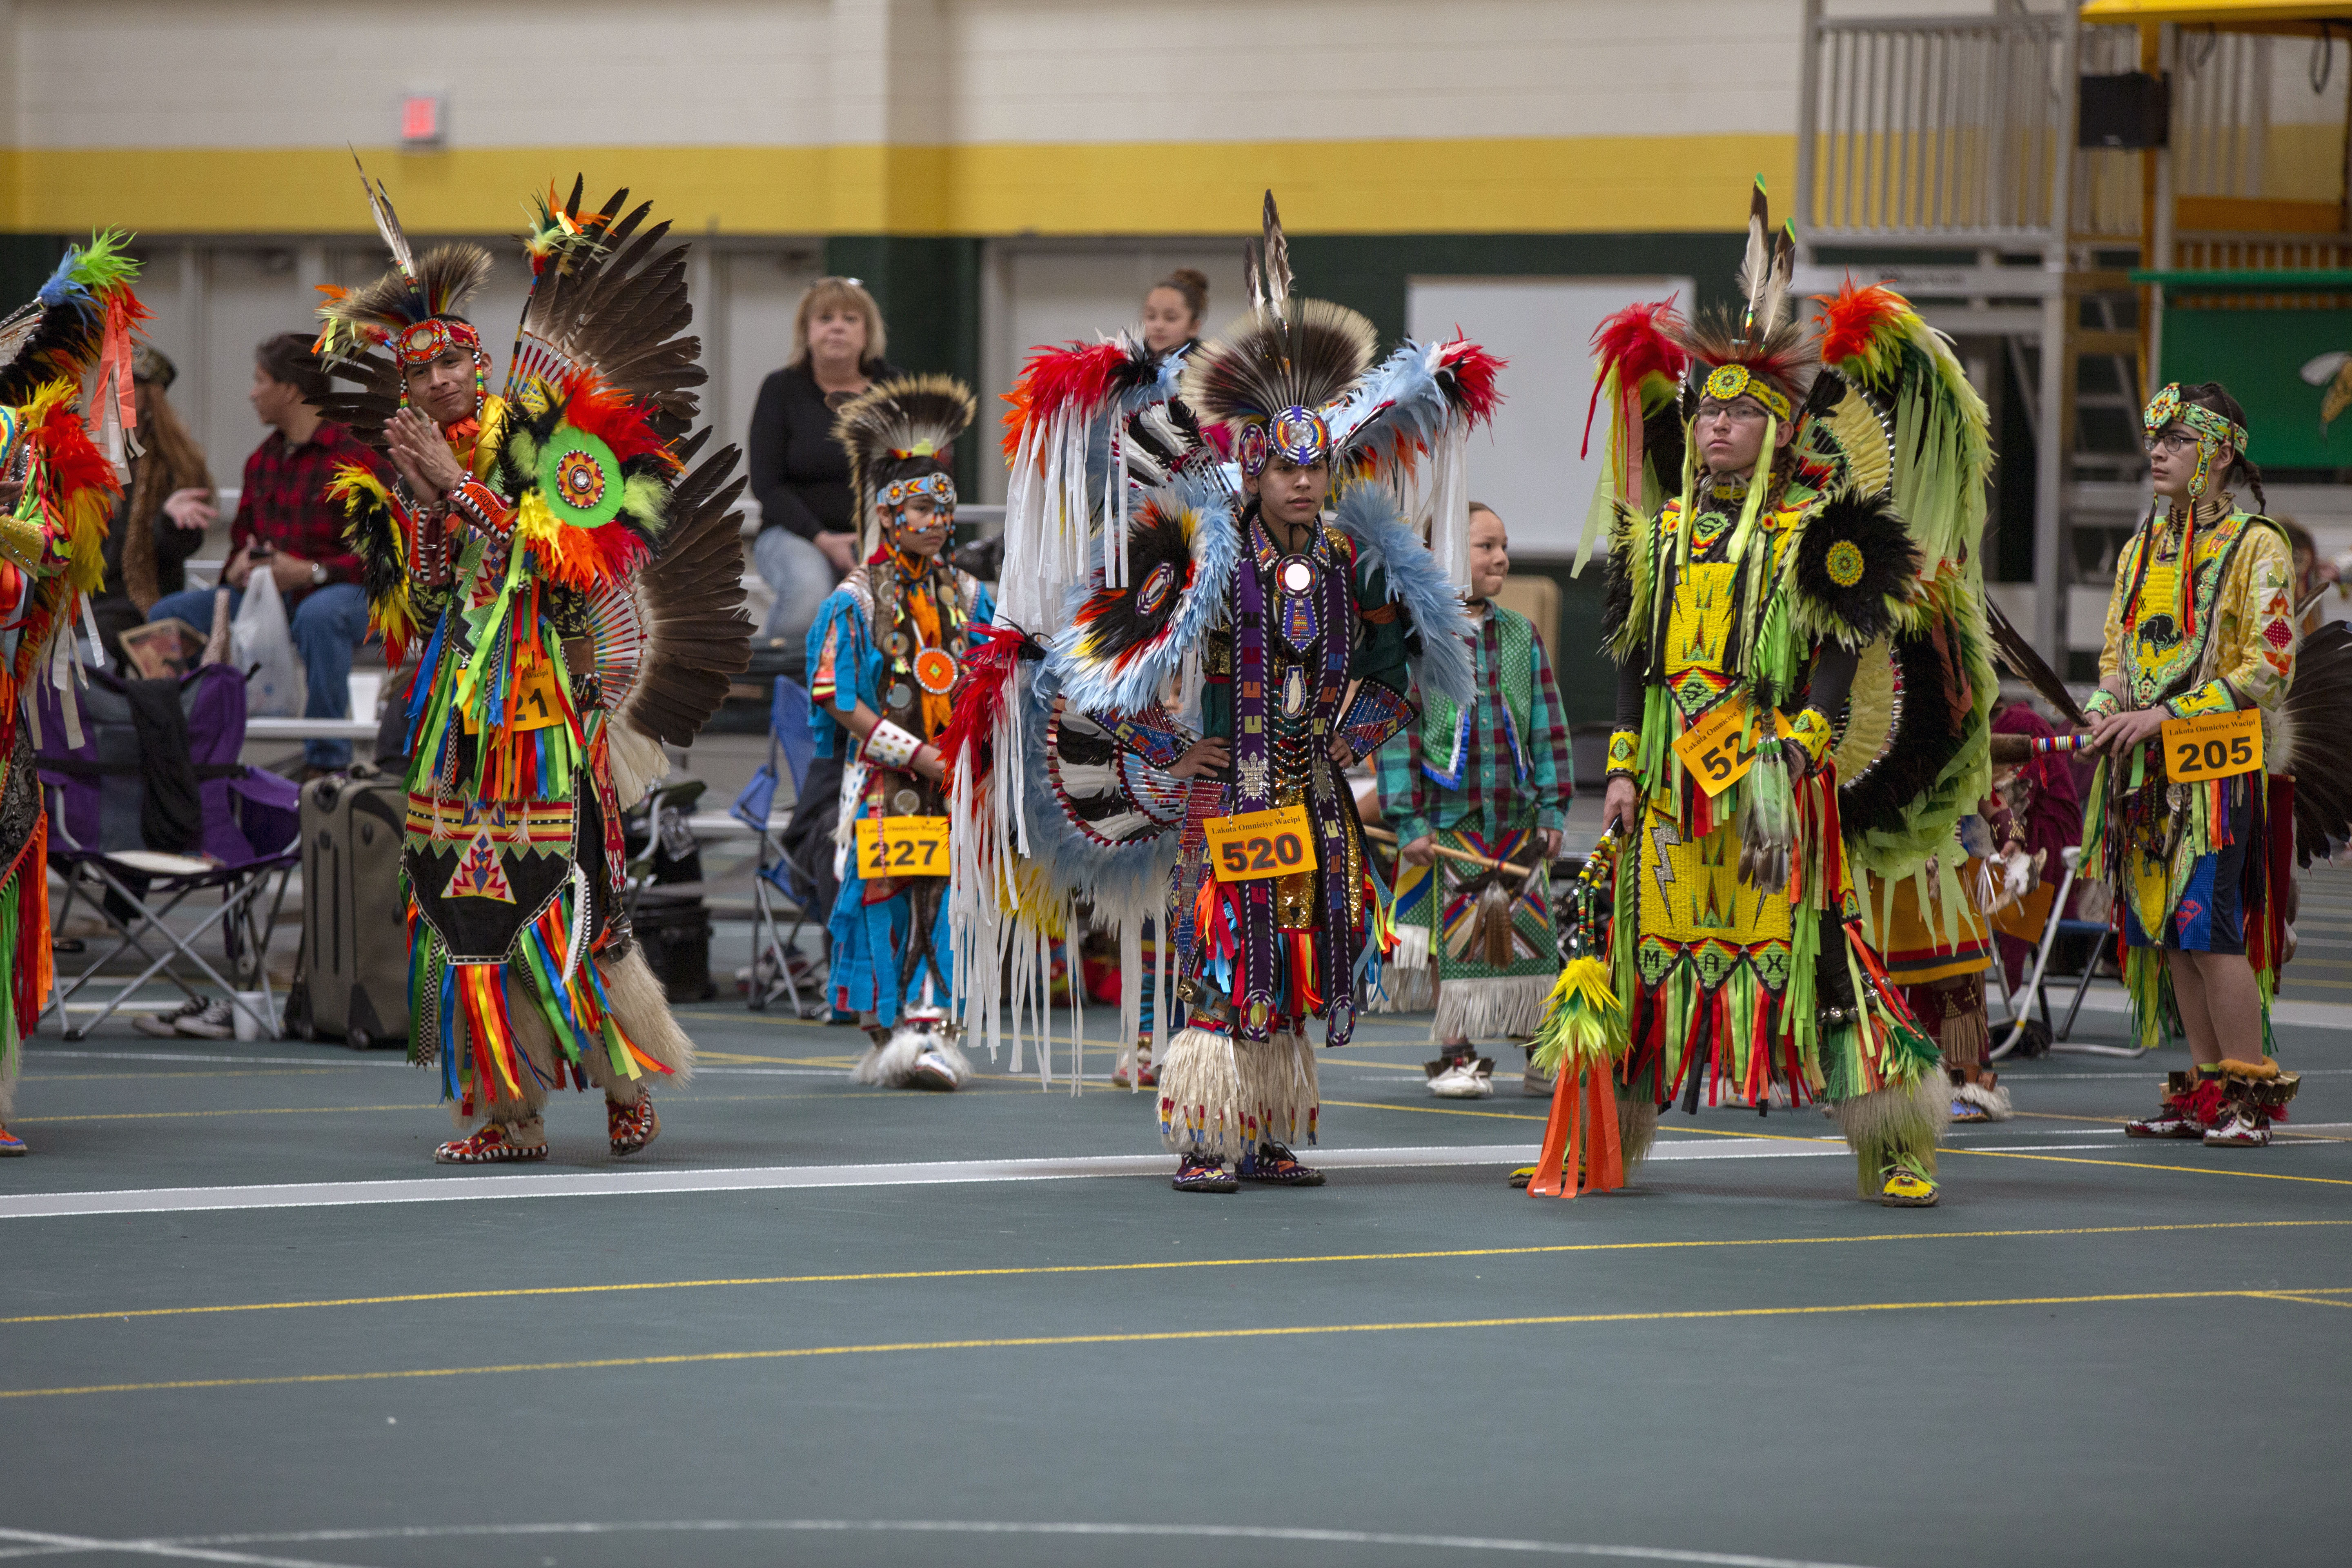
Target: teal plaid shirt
[[1501, 788]]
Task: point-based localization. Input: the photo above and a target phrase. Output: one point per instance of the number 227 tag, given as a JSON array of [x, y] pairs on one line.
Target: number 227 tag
[[902, 846], [1260, 844]]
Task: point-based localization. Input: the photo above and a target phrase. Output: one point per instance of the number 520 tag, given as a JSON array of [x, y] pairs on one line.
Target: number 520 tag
[[2213, 745], [1259, 844], [902, 846], [1711, 749]]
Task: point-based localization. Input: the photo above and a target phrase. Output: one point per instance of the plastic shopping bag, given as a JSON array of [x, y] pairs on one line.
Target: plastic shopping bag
[[261, 644]]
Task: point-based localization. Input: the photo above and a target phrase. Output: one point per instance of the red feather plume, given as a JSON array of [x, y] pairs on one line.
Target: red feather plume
[[1474, 371], [613, 417], [1637, 342], [1055, 378], [980, 697], [1852, 320]]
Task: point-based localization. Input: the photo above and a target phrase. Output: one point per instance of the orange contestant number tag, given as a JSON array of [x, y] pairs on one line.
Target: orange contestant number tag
[[534, 702], [1259, 844], [1712, 752], [902, 846], [2213, 745]]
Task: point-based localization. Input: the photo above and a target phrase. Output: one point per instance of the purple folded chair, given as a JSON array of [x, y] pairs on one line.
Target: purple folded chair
[[150, 808]]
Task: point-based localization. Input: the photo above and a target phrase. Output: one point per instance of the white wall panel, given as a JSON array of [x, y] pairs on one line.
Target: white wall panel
[[1051, 294], [519, 73], [1529, 470]]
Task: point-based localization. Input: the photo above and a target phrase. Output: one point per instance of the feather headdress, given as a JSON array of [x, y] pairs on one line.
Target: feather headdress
[[1763, 336], [899, 430], [399, 308], [1288, 358]]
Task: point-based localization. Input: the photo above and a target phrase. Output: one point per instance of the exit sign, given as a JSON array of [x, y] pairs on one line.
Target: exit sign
[[424, 118]]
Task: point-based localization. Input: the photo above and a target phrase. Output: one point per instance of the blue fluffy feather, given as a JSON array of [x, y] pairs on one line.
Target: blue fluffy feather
[[1385, 543], [1398, 402], [1099, 689]]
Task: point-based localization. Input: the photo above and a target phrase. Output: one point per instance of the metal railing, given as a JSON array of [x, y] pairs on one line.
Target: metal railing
[[1938, 130]]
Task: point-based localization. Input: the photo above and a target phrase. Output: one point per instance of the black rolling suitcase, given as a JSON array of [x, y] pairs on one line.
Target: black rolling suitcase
[[354, 917]]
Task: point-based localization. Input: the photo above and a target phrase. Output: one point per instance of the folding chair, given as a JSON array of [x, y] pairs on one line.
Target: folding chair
[[123, 781], [2055, 925], [774, 949]]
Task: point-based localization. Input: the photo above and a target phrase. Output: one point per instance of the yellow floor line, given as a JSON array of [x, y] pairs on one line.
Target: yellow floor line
[[682, 1097], [1435, 1110], [1166, 1336], [218, 1072], [2308, 1298], [617, 1289], [2145, 1165]]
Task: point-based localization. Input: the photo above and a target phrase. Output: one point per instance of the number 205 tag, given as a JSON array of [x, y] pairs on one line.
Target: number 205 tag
[[2213, 745], [1259, 844], [902, 846]]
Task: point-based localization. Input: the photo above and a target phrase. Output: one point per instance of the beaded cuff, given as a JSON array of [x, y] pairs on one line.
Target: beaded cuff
[[1624, 745], [889, 746], [1152, 736], [2214, 697], [2101, 703], [1376, 714], [1811, 729], [484, 510]]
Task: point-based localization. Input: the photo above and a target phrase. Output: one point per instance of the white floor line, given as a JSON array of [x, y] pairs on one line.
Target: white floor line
[[1000, 1527], [464, 1186], [43, 1543]]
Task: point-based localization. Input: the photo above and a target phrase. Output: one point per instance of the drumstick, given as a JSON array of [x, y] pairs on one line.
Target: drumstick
[[1382, 836]]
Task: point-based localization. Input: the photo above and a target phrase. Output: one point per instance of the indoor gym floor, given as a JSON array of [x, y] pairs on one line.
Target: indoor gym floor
[[244, 1318]]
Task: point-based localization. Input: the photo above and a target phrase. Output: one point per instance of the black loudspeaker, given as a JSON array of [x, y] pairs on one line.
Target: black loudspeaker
[[2132, 111]]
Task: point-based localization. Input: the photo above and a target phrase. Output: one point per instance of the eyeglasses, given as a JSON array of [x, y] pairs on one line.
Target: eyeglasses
[[1741, 412], [2176, 440]]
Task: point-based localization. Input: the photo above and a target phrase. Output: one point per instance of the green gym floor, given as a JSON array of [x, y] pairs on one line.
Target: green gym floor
[[244, 1320]]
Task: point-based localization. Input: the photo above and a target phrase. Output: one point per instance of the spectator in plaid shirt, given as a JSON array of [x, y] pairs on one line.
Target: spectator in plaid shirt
[[286, 525], [1486, 783]]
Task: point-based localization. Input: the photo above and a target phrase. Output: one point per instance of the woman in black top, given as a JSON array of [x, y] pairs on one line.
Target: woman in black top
[[808, 536]]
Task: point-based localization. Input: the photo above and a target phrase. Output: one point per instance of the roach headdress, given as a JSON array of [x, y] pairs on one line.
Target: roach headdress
[[901, 435], [417, 309], [1277, 378]]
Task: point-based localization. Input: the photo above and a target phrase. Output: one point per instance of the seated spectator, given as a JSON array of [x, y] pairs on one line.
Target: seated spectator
[[800, 474], [160, 519], [286, 526]]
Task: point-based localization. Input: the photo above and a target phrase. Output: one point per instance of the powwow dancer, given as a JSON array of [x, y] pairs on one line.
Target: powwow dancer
[[1763, 619], [56, 490], [885, 655], [1294, 633], [2200, 624], [578, 594], [1467, 788]]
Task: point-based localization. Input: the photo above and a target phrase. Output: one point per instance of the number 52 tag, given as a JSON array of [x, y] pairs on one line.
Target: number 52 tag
[[2213, 745], [902, 846], [1260, 844], [1711, 749]]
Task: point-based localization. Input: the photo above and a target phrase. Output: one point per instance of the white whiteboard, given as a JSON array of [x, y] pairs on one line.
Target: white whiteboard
[[1529, 471]]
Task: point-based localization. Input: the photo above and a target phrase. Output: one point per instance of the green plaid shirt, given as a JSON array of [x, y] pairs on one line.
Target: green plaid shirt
[[1501, 786]]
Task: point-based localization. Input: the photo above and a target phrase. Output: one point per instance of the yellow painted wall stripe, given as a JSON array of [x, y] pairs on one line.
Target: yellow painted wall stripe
[[1468, 185], [1166, 1336], [618, 1288]]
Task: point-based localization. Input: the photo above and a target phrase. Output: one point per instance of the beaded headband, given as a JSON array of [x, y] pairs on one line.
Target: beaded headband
[[1300, 437], [2212, 430], [1728, 382], [422, 342], [938, 488]]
